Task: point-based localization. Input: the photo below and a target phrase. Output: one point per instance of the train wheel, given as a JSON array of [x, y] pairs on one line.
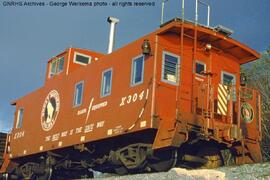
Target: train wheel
[[213, 157], [163, 160], [133, 158], [33, 171]]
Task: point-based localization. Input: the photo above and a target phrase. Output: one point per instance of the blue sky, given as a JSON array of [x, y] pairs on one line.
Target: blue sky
[[29, 36]]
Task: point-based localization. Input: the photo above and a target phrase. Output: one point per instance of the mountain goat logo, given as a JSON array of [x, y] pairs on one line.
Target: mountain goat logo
[[50, 110]]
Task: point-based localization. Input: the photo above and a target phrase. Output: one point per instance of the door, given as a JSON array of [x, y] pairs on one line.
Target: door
[[167, 86], [250, 117]]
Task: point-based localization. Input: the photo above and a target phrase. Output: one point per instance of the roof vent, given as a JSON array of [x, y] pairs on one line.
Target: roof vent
[[224, 30]]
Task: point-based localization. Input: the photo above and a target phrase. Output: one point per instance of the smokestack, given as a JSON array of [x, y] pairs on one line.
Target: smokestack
[[113, 21]]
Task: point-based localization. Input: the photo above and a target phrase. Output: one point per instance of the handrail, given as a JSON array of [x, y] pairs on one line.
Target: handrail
[[162, 11], [260, 116], [197, 9]]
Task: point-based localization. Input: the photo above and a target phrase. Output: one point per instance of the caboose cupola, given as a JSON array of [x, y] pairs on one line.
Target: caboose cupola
[[70, 60]]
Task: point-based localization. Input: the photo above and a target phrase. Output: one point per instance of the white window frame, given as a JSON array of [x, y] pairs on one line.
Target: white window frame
[[201, 63], [50, 72], [230, 74], [19, 118], [132, 82], [233, 84], [80, 54], [102, 83], [57, 62], [62, 57], [75, 94], [177, 68]]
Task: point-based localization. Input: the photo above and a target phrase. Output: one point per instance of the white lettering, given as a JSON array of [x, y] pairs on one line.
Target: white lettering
[[64, 134], [47, 138], [141, 95], [82, 111], [19, 135], [88, 128], [71, 132], [129, 99], [55, 137], [123, 101], [134, 98], [78, 130], [147, 93], [100, 124], [100, 105]]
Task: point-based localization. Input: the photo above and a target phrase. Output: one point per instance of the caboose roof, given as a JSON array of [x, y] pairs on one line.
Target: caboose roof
[[209, 35]]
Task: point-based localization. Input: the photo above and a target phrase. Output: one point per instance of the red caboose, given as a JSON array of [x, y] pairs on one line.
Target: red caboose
[[174, 96]]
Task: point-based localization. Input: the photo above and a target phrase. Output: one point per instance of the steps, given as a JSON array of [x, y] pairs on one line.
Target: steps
[[170, 135], [3, 137], [248, 152]]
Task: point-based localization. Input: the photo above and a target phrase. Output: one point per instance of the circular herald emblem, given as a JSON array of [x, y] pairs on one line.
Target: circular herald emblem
[[247, 113], [50, 110]]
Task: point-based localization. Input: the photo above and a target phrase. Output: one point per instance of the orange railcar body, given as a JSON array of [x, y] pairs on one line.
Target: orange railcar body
[[171, 109]]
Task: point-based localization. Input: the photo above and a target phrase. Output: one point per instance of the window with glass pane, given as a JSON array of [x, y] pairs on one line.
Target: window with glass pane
[[78, 94], [106, 85], [61, 64], [19, 118], [228, 79], [53, 68], [137, 70], [82, 59], [57, 66], [170, 68], [200, 67]]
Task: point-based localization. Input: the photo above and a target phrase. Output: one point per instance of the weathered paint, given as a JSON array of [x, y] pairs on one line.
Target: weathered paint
[[132, 108]]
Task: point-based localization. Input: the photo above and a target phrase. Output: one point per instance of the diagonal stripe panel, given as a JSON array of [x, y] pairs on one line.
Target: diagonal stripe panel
[[222, 100]]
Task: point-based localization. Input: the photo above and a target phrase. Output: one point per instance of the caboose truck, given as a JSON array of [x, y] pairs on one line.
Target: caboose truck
[[173, 97]]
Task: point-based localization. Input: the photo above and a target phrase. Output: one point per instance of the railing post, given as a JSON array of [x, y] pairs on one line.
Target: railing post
[[239, 107], [260, 115], [162, 11]]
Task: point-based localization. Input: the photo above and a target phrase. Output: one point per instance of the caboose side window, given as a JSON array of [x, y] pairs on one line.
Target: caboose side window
[[53, 68], [137, 70], [81, 59], [78, 94], [19, 118], [170, 65], [61, 64], [106, 83], [200, 67], [227, 78], [56, 66]]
